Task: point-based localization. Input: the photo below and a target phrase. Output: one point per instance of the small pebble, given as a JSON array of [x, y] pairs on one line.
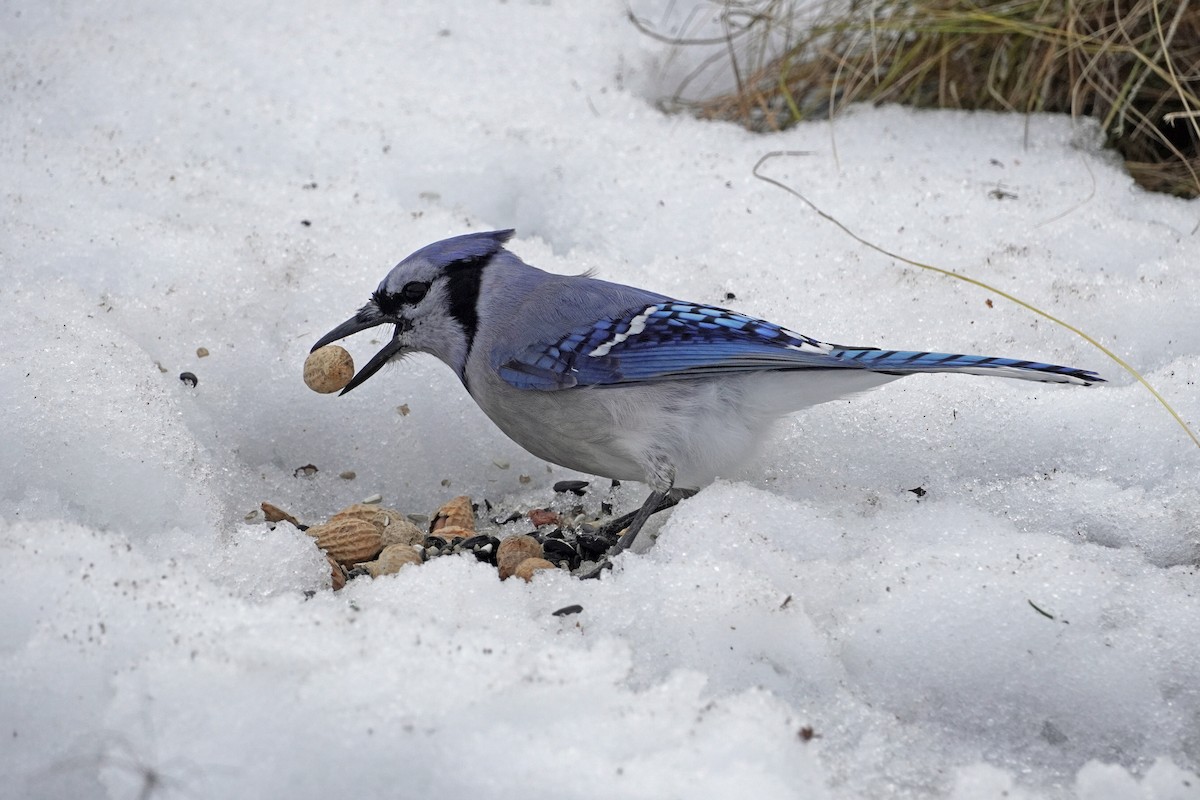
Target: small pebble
[[373, 499], [189, 378], [201, 352], [482, 546], [567, 611], [575, 487], [349, 475], [592, 547], [559, 552]]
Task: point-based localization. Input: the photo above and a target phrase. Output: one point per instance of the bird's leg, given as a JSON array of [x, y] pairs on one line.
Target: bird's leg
[[614, 527], [657, 501], [631, 524]]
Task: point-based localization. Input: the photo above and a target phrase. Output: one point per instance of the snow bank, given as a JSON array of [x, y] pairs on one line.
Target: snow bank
[[239, 178]]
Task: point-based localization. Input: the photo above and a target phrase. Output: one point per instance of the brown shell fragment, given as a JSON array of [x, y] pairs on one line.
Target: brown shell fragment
[[348, 541], [457, 512], [274, 513], [391, 559], [513, 550], [526, 568], [543, 516], [328, 369], [337, 572]]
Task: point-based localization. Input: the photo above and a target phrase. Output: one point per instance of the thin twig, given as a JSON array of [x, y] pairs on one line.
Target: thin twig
[[974, 281]]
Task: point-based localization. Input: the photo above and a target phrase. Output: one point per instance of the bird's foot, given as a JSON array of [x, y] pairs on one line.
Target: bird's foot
[[621, 532]]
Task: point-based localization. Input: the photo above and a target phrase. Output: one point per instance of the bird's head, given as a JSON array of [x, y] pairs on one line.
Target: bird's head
[[431, 298]]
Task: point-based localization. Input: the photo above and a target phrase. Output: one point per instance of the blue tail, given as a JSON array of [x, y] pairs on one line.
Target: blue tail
[[900, 362]]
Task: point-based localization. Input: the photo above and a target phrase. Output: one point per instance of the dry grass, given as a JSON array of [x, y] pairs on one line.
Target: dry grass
[[1132, 64]]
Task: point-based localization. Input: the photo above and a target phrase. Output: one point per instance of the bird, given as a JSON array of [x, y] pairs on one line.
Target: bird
[[621, 382]]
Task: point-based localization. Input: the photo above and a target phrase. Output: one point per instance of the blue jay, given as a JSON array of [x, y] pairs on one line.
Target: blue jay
[[621, 382]]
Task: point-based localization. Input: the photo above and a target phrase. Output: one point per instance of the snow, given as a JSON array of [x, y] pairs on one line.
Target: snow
[[239, 176]]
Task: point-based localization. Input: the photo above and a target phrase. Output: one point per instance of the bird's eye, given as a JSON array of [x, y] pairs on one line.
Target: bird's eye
[[414, 291]]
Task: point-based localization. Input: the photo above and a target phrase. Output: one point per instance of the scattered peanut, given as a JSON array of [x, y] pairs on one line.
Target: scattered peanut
[[526, 568], [513, 551], [376, 540], [399, 529], [457, 513], [452, 532], [391, 559], [348, 541], [361, 511], [393, 526]]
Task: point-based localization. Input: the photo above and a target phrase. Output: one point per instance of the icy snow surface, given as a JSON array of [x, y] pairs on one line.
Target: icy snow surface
[[239, 175]]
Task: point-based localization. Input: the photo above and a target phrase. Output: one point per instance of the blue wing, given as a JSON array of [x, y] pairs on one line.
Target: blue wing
[[673, 340]]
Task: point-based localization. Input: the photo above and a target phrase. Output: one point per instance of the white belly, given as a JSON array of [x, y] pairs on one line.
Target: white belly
[[698, 429]]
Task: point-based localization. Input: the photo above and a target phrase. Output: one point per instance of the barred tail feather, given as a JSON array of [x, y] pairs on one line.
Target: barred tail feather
[[899, 362]]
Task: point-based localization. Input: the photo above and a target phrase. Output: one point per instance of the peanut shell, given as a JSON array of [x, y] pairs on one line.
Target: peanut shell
[[392, 558], [526, 568], [274, 513], [328, 369], [456, 512], [348, 541], [513, 550], [399, 529], [363, 511], [393, 526], [337, 572], [452, 532]]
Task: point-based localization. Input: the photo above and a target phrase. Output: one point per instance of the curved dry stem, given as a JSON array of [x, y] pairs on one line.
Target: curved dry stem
[[756, 171]]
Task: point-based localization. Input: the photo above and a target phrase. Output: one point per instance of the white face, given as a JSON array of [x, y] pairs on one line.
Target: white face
[[431, 298], [426, 313]]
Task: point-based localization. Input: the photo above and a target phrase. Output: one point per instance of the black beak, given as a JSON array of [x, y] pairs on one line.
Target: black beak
[[367, 317]]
